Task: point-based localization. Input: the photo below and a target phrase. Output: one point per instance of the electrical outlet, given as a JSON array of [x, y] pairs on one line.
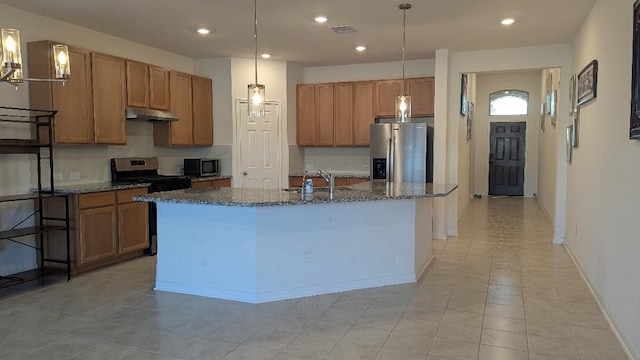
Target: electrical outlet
[[74, 175], [180, 169], [306, 256], [365, 167], [58, 176], [308, 166]]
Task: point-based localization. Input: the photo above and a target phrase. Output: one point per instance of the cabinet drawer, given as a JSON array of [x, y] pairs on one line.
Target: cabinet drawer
[[97, 199], [124, 196]]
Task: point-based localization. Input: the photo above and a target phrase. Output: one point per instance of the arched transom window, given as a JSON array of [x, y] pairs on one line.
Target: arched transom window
[[509, 102]]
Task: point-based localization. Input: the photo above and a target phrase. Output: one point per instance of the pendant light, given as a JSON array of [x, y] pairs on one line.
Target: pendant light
[[255, 93], [403, 101]]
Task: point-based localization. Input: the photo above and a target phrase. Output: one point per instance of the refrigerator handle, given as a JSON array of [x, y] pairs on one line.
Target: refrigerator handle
[[390, 158]]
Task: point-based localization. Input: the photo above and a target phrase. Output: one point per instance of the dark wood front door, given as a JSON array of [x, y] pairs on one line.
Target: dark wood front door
[[506, 158]]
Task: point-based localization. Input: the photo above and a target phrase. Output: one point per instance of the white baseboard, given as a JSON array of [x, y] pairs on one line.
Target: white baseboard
[[424, 268], [544, 210], [440, 236], [631, 352], [452, 232], [558, 240]]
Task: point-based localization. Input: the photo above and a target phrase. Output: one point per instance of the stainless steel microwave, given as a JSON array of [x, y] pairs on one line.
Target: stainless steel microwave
[[202, 167]]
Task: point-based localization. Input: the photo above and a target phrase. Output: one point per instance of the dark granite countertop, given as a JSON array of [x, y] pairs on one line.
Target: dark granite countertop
[[96, 187], [208, 178], [336, 174], [366, 191]]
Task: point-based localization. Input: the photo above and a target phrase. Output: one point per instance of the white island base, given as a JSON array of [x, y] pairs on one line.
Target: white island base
[[267, 253]]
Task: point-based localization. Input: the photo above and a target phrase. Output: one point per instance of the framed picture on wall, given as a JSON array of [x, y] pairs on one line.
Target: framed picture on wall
[[634, 122], [572, 95], [469, 120], [463, 95], [588, 83]]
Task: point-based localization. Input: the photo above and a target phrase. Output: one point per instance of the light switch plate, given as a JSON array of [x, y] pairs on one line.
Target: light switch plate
[[74, 175], [308, 166]]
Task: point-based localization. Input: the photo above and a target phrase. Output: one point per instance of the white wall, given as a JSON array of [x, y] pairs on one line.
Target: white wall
[[548, 152], [466, 148], [602, 196], [488, 83]]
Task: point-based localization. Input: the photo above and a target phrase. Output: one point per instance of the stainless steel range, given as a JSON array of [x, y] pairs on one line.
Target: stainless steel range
[[145, 170]]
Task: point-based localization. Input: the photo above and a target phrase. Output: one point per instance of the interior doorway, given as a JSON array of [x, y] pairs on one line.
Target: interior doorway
[[507, 158], [258, 147]]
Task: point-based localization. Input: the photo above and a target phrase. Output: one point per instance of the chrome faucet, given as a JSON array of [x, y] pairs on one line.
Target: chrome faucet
[[329, 178]]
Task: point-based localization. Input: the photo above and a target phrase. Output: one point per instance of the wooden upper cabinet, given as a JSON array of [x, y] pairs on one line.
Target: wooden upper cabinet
[[343, 114], [202, 110], [306, 123], [109, 100], [177, 132], [422, 93], [363, 117], [386, 93], [137, 84], [159, 88], [325, 114], [73, 123]]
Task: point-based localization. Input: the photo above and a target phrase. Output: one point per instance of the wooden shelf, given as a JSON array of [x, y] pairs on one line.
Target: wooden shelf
[[20, 146], [30, 196], [31, 230]]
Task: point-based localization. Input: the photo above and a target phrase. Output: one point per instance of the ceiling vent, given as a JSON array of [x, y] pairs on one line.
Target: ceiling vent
[[343, 29]]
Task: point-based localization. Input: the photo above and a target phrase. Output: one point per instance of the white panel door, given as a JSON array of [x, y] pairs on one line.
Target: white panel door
[[259, 150]]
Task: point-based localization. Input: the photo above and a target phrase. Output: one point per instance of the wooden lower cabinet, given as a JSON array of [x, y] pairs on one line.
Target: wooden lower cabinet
[[106, 227], [97, 234], [133, 220], [211, 183]]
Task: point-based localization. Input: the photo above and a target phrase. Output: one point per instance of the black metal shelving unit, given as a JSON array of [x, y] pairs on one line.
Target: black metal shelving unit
[[39, 122]]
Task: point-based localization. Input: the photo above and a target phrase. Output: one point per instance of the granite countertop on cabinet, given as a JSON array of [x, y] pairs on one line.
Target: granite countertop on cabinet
[[336, 174], [209, 178], [96, 187], [366, 191]]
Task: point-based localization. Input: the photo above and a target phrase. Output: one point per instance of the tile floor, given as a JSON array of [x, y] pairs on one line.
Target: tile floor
[[500, 290]]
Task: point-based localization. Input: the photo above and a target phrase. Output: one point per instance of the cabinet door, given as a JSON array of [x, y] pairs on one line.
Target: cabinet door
[[133, 227], [363, 115], [137, 84], [73, 123], [97, 234], [306, 124], [180, 90], [158, 88], [202, 111], [344, 114], [324, 114], [386, 93], [108, 99], [422, 96]]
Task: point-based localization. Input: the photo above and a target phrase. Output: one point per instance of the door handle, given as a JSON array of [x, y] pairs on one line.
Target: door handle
[[490, 159], [244, 173]]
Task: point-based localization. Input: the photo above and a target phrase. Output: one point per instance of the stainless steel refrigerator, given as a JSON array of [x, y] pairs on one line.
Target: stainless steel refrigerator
[[401, 152]]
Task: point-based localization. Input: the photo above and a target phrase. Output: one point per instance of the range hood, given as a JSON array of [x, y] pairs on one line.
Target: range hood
[[140, 114]]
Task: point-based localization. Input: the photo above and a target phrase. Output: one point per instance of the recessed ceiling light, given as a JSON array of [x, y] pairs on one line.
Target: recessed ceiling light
[[203, 31], [265, 55], [361, 48], [321, 19], [507, 21]]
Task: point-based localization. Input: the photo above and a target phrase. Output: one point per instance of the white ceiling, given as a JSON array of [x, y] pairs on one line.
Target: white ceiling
[[287, 30]]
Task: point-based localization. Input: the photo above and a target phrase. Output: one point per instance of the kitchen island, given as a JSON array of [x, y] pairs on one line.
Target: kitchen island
[[256, 245]]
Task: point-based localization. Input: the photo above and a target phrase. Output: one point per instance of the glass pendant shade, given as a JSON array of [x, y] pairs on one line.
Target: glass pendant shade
[[256, 100], [61, 61], [403, 108], [11, 57]]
